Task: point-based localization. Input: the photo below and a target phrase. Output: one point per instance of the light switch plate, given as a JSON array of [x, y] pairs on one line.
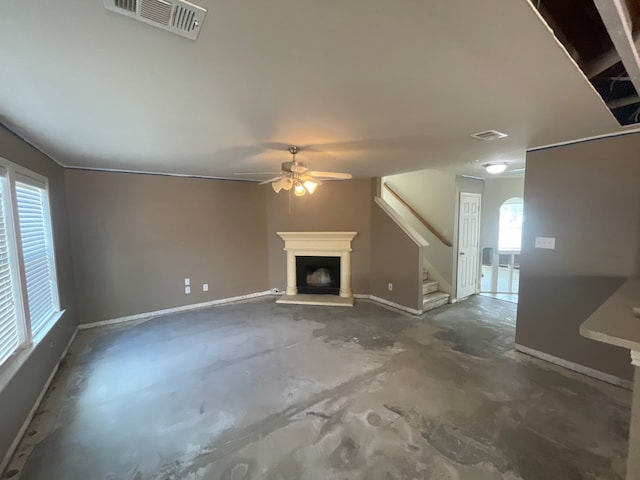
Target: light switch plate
[[187, 290], [546, 242], [187, 281], [205, 287]]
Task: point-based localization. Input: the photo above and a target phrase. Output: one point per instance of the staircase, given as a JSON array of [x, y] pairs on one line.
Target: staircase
[[431, 296]]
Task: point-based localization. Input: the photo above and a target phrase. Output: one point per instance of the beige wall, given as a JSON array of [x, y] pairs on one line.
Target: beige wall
[[136, 237], [496, 192], [20, 393], [334, 206], [431, 193], [587, 196]]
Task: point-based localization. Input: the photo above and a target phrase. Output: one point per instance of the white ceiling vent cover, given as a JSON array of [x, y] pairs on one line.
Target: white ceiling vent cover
[[489, 135], [177, 16]]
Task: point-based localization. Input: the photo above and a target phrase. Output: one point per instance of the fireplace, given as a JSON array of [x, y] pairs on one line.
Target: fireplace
[[318, 268], [318, 275]]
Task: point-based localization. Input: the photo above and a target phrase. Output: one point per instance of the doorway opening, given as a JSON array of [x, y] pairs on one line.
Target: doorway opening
[[501, 266]]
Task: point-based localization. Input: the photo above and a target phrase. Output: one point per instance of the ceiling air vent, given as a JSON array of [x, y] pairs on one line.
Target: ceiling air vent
[[489, 135], [128, 5], [177, 16], [157, 11]]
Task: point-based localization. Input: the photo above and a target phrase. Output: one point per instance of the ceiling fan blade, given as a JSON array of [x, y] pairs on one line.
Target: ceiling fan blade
[[306, 177], [330, 175], [256, 173], [274, 179]]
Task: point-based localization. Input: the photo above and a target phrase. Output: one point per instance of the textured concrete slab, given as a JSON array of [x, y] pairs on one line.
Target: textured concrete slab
[[261, 390]]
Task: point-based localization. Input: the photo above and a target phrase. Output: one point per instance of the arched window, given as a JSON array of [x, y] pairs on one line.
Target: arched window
[[510, 236]]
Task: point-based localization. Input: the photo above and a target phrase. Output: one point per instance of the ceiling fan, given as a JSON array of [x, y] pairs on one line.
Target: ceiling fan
[[297, 176]]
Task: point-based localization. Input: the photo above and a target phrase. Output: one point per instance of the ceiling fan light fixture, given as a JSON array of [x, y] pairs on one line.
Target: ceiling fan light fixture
[[310, 185], [495, 168], [299, 189], [296, 175]]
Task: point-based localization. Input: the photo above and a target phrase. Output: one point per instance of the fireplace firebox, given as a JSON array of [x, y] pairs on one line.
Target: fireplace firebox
[[318, 275]]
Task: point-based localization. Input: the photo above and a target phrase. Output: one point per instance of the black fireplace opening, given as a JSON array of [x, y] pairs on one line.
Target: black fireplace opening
[[318, 275]]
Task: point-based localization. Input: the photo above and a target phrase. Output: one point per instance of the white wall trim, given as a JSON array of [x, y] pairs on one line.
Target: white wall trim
[[161, 174], [36, 405], [605, 377], [222, 301], [166, 311], [388, 303], [630, 130]]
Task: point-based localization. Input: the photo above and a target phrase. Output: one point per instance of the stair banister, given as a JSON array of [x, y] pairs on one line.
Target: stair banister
[[424, 222]]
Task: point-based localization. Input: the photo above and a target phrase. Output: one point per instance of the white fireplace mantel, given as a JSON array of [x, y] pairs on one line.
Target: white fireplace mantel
[[318, 244]]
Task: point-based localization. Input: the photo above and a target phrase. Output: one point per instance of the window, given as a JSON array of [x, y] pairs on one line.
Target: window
[[9, 337], [511, 216], [28, 287]]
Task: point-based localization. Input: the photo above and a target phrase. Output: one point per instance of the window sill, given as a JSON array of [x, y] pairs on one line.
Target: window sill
[[46, 328], [14, 363]]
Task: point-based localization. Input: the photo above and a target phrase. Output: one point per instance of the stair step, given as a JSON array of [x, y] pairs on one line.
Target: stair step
[[434, 300], [429, 286]]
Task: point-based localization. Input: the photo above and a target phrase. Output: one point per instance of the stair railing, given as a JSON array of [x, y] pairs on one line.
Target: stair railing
[[424, 222]]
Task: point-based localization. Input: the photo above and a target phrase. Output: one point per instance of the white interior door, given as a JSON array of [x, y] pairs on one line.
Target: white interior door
[[468, 244]]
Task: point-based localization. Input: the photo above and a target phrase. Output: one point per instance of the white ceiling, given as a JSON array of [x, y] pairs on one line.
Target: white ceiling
[[375, 86]]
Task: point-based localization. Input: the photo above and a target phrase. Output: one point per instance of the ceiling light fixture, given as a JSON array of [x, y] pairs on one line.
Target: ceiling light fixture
[[299, 190], [297, 176], [310, 185], [495, 168]]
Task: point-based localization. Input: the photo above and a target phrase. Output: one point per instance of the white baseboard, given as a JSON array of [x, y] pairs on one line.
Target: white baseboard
[[590, 372], [388, 303], [7, 458], [166, 311]]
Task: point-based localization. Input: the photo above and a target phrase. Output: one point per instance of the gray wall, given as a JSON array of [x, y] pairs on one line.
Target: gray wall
[[136, 237], [396, 259], [496, 192], [587, 196], [334, 206], [21, 392]]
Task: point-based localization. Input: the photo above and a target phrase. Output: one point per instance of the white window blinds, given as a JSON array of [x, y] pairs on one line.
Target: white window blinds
[[37, 251], [9, 338]]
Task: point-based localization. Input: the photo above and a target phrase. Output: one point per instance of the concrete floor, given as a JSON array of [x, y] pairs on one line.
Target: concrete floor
[[264, 391], [507, 297]]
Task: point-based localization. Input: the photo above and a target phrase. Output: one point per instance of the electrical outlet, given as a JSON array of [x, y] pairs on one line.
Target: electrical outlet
[[205, 287], [390, 286], [546, 242], [187, 282], [445, 232], [187, 290]]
